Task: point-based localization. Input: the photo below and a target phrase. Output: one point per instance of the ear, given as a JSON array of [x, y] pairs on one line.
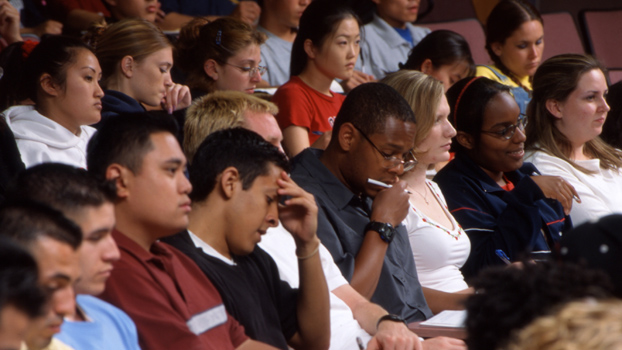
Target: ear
[[47, 84], [119, 174], [465, 140], [229, 182], [346, 136], [496, 48], [127, 66], [309, 48], [210, 68], [554, 107], [426, 66]]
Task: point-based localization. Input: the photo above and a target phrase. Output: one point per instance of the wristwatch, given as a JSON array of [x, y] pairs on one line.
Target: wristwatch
[[385, 230], [392, 318]]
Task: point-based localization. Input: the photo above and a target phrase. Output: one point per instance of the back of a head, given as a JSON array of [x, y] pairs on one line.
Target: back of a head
[[60, 186], [219, 40], [216, 111], [579, 325], [12, 61], [19, 285], [508, 299], [505, 18], [133, 37], [596, 245], [612, 129], [320, 19], [51, 56], [468, 100], [368, 106], [26, 221], [124, 139], [422, 92], [442, 47], [240, 148]]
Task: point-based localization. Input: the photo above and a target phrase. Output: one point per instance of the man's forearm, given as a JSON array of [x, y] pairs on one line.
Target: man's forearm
[[368, 264]]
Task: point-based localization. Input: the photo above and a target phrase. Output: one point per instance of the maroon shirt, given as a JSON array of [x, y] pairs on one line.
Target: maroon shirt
[[170, 299]]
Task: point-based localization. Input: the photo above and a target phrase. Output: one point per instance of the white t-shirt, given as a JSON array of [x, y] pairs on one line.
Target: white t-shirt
[[439, 251], [600, 193], [344, 329]]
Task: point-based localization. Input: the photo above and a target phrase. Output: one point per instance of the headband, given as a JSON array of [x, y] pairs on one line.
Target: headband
[[459, 97]]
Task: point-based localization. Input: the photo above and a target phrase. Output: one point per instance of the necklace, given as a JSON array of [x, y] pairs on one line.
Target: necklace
[[430, 222], [425, 197]]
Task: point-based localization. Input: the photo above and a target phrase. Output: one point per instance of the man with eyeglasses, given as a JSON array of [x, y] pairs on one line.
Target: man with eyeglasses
[[360, 222]]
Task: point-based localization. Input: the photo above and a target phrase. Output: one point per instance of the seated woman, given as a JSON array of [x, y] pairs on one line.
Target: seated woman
[[444, 55], [325, 48], [136, 60], [500, 202], [440, 246], [515, 42], [566, 116], [61, 77], [219, 55]]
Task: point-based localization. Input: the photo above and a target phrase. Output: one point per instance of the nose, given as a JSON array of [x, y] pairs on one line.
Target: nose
[[111, 252], [304, 2], [167, 80], [184, 185], [605, 105], [450, 131], [533, 52], [256, 78], [272, 218], [519, 136], [63, 301], [99, 92]]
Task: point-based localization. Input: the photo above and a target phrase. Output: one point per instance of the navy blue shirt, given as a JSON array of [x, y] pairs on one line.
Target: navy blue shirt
[[342, 218], [519, 221]]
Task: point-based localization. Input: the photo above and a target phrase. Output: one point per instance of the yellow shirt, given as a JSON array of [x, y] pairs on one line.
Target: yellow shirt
[[487, 72]]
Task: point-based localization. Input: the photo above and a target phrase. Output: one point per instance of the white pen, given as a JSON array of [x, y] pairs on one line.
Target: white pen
[[382, 184]]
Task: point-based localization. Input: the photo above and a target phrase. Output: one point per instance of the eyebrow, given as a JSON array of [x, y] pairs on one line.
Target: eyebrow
[[176, 161], [100, 230]]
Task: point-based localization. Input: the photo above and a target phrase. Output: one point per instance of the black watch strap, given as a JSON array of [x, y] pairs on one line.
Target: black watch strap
[[385, 230], [392, 318]]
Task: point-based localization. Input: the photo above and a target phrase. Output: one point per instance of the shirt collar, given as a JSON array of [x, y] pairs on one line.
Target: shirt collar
[[130, 247], [335, 190], [207, 249]]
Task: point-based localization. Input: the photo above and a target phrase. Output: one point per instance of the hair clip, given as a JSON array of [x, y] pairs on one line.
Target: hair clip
[[218, 37]]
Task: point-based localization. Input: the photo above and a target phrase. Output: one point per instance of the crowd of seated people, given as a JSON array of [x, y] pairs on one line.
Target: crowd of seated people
[[154, 196]]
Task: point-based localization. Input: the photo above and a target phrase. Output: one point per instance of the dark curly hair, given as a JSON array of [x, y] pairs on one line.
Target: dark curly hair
[[507, 299]]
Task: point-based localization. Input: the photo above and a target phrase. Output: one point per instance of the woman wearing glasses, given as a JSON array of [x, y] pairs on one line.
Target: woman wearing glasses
[[566, 118], [440, 246], [501, 202], [136, 60], [220, 55], [325, 48]]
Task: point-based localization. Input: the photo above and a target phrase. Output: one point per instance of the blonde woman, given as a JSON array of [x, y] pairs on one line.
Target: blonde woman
[[440, 246]]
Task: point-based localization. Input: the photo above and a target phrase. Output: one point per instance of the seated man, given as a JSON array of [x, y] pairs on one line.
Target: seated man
[[349, 310], [172, 302], [53, 240], [389, 37], [21, 299], [95, 323], [238, 180], [360, 222]]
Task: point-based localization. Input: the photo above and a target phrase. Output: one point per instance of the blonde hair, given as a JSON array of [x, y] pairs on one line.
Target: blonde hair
[[555, 80], [217, 111], [201, 40], [135, 37], [423, 93], [580, 325]]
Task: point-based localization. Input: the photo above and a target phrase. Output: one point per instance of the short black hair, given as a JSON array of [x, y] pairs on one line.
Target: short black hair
[[19, 284], [368, 106], [60, 186], [508, 299], [26, 221], [243, 149], [125, 139]]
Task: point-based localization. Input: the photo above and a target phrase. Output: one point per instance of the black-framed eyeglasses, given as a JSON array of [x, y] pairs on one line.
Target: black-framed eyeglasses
[[252, 71], [390, 161], [508, 131]]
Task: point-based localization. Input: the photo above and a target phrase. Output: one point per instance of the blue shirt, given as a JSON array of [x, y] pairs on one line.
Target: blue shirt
[[108, 328]]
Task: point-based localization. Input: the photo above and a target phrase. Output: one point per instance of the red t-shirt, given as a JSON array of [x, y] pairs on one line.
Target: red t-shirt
[[172, 302], [301, 105]]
